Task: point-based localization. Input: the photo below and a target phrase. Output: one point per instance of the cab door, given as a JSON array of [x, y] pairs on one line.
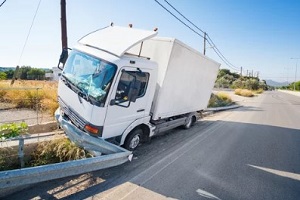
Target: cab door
[[121, 112]]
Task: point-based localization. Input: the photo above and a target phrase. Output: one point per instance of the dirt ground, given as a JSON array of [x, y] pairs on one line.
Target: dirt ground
[[31, 117]]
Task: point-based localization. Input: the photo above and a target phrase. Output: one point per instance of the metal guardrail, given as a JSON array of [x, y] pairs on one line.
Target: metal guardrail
[[115, 156], [20, 177]]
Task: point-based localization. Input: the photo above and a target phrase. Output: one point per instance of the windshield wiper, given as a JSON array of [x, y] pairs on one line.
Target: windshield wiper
[[83, 94], [80, 92]]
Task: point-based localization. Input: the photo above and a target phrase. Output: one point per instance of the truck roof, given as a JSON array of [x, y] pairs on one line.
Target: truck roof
[[115, 39]]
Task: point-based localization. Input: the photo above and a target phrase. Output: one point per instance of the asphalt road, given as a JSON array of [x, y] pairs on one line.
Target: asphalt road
[[252, 152]]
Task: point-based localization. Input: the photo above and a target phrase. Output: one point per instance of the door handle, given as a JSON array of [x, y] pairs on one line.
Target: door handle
[[140, 110]]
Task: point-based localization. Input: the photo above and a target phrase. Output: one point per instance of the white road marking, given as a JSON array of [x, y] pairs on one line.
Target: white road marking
[[207, 194], [278, 172]]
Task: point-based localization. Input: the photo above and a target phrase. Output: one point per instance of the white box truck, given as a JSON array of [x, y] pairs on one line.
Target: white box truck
[[124, 85]]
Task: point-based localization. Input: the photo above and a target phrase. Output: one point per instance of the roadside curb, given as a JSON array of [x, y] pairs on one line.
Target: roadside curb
[[42, 128], [32, 138], [210, 111]]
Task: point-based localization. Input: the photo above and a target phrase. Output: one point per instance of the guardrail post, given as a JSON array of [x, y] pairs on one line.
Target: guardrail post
[[21, 151], [37, 105]]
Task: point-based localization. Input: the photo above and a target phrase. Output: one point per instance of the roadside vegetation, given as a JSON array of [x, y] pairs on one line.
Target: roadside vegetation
[[247, 86], [291, 86], [30, 94], [55, 151], [219, 100], [24, 73], [227, 79], [48, 152], [12, 130], [243, 92]]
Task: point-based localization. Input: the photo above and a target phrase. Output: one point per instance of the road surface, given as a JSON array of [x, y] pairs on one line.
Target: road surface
[[252, 152]]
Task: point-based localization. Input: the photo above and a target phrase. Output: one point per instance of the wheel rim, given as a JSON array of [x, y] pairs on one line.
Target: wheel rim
[[134, 142], [189, 122]]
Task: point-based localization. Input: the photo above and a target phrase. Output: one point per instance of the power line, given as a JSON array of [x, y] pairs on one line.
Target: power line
[[29, 31], [214, 47], [224, 60], [2, 3], [179, 19], [184, 16]]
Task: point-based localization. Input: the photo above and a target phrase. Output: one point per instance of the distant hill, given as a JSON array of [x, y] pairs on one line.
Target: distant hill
[[276, 84], [3, 69]]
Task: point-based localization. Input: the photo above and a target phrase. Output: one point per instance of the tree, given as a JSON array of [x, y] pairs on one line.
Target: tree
[[263, 85], [223, 72], [36, 74], [2, 76], [239, 83], [252, 84], [10, 73], [22, 74], [223, 82]]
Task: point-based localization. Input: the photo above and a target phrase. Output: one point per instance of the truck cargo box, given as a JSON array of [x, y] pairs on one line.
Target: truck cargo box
[[185, 76]]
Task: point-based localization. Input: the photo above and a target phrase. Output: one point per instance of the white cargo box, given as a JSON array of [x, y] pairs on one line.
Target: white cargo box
[[185, 77]]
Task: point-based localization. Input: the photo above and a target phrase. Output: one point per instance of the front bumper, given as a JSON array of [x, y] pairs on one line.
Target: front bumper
[[96, 144]]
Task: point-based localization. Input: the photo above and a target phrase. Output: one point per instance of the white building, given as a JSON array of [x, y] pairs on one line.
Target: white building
[[56, 73]]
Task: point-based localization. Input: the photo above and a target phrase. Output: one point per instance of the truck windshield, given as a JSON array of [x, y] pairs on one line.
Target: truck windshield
[[89, 76]]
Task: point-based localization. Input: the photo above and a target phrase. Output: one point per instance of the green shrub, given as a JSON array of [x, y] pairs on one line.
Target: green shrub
[[11, 130]]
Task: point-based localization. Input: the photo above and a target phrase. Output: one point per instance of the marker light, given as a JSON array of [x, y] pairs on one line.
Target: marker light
[[91, 129]]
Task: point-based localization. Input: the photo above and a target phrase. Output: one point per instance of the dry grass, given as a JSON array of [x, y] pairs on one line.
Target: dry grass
[[9, 159], [22, 96], [220, 99], [36, 154], [55, 151], [259, 91], [244, 92]]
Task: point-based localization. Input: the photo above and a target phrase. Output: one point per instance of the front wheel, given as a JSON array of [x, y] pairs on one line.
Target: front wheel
[[189, 122], [133, 139]]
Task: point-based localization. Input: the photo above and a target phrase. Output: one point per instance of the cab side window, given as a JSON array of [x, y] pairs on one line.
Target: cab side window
[[127, 78]]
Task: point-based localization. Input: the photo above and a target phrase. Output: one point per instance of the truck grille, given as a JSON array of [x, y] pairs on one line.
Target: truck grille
[[68, 112]]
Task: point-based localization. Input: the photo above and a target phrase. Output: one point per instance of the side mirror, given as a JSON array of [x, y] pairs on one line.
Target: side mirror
[[63, 57], [134, 90]]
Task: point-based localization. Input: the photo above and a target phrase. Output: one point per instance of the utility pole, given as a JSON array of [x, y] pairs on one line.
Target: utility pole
[[204, 47], [64, 38], [247, 73], [252, 73], [241, 71], [295, 72]]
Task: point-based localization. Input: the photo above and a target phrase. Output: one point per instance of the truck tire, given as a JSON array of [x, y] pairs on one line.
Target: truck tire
[[133, 139], [189, 123]]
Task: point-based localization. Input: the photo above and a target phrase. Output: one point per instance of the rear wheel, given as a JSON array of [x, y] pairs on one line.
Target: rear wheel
[[133, 139]]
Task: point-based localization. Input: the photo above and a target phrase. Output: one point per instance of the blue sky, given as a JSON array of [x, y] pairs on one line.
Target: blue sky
[[259, 35]]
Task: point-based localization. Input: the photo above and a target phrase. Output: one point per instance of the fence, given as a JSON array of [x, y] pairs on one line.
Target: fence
[[19, 107], [23, 105]]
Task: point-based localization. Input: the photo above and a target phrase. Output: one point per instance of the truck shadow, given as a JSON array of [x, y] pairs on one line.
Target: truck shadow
[[234, 146]]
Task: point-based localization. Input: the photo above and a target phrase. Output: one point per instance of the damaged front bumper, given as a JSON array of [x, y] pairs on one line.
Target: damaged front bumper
[[96, 145]]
